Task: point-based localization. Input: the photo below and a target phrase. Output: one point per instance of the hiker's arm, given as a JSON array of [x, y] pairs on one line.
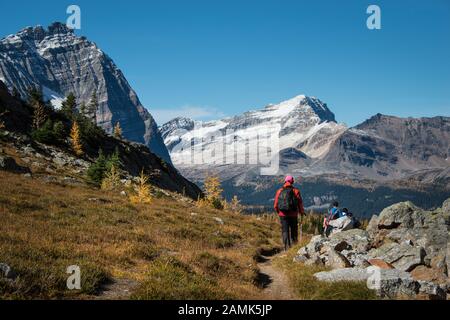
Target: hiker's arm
[[301, 209], [275, 204]]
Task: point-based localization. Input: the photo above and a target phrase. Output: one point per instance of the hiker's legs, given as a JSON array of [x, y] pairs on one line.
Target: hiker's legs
[[293, 224], [285, 232]]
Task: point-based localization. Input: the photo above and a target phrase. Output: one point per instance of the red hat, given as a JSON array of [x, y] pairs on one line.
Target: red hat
[[289, 179]]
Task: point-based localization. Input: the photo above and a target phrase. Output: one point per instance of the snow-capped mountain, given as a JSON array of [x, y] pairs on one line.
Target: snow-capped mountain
[[379, 162], [303, 123], [59, 62]]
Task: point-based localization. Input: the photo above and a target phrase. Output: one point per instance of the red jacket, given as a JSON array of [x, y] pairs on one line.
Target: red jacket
[[298, 196]]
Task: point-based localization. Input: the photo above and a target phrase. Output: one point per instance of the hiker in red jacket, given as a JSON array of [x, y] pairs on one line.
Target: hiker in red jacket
[[289, 204]]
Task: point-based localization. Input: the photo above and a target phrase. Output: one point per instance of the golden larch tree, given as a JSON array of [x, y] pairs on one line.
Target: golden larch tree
[[77, 147], [142, 191], [118, 131], [111, 180]]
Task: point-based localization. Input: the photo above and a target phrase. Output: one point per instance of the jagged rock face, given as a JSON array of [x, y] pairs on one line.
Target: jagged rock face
[[60, 62], [386, 147]]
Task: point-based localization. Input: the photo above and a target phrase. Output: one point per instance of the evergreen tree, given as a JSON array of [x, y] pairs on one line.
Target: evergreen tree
[[113, 160], [76, 140], [97, 170], [40, 113], [92, 107], [59, 131], [83, 109], [69, 106]]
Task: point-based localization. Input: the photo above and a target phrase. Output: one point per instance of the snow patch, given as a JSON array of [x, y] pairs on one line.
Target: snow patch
[[55, 98]]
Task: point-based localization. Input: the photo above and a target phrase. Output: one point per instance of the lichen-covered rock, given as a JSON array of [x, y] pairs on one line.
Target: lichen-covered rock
[[400, 214], [346, 274], [433, 290], [356, 239], [336, 260], [372, 227], [424, 273], [403, 256], [315, 244], [392, 283]]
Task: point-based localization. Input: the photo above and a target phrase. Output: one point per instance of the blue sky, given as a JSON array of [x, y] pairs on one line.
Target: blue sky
[[208, 59]]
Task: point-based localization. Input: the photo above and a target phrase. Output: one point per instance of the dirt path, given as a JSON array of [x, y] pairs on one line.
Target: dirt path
[[274, 281]]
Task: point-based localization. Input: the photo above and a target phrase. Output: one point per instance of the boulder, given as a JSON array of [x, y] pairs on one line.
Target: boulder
[[446, 207], [424, 273], [372, 227], [380, 264], [219, 220], [432, 290], [399, 214], [336, 260], [9, 164], [357, 260], [7, 272], [314, 259], [316, 244], [302, 252], [402, 256], [356, 239], [345, 274], [392, 283], [300, 259]]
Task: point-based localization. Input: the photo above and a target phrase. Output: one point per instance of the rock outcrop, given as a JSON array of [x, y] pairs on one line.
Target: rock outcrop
[[404, 251]]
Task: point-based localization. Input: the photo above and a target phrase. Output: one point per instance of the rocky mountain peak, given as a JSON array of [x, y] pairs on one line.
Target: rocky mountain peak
[[59, 62], [38, 33]]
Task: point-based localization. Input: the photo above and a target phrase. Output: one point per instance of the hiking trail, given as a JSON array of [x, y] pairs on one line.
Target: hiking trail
[[273, 281]]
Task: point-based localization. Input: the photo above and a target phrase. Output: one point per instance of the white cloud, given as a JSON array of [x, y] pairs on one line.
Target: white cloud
[[193, 112]]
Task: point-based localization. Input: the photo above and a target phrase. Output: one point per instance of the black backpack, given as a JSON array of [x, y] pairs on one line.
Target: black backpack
[[286, 200]]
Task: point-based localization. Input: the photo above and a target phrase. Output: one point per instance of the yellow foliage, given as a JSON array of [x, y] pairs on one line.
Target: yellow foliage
[[235, 205], [213, 193], [143, 191], [111, 180], [76, 140], [2, 124], [118, 131]]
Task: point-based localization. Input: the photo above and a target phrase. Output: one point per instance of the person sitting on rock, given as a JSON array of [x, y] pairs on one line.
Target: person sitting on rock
[[356, 222], [333, 213]]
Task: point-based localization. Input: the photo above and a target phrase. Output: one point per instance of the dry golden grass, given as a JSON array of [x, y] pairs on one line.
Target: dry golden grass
[[169, 252]]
